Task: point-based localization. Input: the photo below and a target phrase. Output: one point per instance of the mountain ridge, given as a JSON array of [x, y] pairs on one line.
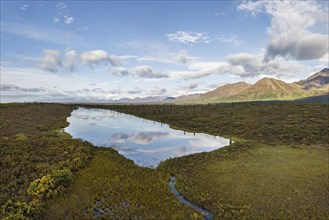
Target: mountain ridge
[[269, 89]]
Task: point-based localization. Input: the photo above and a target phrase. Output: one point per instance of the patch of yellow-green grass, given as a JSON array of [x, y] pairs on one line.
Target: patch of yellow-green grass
[[256, 182], [113, 187]]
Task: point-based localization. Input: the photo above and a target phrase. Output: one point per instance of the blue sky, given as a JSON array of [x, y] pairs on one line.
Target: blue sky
[[116, 49]]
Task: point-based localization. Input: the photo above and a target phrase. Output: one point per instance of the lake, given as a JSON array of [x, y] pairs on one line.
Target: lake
[[145, 142]]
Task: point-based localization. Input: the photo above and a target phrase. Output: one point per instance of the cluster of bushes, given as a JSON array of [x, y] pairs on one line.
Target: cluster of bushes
[[45, 187], [53, 180], [36, 164]]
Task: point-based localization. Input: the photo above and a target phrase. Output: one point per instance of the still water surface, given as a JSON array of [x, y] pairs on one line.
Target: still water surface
[[145, 142]]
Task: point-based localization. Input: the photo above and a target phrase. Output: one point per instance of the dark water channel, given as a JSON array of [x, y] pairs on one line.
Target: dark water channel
[[206, 214]]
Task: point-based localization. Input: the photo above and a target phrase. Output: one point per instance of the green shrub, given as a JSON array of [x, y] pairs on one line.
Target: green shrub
[[62, 177], [21, 137]]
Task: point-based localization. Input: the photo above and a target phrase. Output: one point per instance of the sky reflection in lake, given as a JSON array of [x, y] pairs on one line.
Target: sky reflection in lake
[[143, 141]]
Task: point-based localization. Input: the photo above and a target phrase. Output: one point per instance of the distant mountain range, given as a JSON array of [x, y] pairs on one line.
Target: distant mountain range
[[150, 99], [315, 87], [267, 89]]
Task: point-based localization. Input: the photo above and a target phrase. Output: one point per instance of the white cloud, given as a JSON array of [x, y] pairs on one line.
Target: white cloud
[[96, 57], [36, 84], [191, 86], [136, 90], [202, 69], [232, 39], [188, 37], [140, 71], [25, 7], [243, 65], [119, 71], [204, 65], [68, 19], [158, 91], [50, 61], [61, 6], [155, 60], [254, 65], [56, 19], [220, 14], [195, 37], [211, 68], [62, 13], [146, 72], [292, 31], [70, 60], [126, 57], [182, 56]]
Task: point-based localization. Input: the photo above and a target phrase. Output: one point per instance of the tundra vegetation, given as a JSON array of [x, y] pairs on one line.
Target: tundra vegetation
[[277, 167], [39, 162]]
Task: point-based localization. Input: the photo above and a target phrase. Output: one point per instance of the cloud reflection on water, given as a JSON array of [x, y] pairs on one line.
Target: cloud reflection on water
[[145, 142], [138, 138]]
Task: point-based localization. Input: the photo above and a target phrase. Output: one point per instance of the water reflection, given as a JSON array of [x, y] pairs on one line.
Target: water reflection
[[138, 138], [145, 142]]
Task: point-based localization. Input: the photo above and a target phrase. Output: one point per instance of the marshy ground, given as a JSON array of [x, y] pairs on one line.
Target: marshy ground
[[278, 166]]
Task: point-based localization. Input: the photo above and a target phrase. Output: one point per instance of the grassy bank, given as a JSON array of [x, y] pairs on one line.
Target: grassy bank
[[278, 167]]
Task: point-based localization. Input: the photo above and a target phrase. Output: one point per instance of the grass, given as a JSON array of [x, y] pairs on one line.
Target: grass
[[115, 188], [38, 162], [278, 166], [36, 158], [254, 181]]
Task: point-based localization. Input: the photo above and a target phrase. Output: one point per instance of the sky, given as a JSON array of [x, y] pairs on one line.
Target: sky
[[102, 50]]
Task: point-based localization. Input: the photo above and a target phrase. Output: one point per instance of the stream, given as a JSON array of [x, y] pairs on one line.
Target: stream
[[206, 214]]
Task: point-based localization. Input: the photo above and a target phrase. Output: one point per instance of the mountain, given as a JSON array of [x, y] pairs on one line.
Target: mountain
[[169, 98], [318, 81], [187, 97], [225, 91], [150, 99], [316, 86], [271, 89]]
